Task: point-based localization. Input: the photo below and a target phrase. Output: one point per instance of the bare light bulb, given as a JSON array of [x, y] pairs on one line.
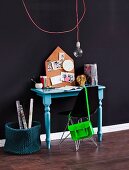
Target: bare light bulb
[[78, 51]]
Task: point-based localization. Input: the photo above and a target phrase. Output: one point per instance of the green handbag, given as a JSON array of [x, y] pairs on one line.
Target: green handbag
[[84, 129]]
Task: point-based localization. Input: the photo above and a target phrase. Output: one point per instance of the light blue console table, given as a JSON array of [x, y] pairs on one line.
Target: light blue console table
[[48, 94]]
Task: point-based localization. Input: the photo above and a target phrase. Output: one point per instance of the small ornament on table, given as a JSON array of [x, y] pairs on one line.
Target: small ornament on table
[[81, 80]]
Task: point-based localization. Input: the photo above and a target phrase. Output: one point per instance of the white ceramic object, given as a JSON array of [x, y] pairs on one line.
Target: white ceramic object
[[38, 85], [68, 65]]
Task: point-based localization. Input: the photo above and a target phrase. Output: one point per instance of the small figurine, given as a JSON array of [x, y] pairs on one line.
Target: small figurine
[[81, 80]]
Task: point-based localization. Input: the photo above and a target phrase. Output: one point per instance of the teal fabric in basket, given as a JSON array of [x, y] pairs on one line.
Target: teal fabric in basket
[[22, 141]]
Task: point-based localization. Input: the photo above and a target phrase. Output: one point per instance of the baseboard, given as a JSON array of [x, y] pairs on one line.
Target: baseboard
[[105, 129]]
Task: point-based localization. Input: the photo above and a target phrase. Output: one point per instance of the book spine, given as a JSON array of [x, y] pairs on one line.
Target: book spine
[[23, 117], [19, 115], [30, 113]]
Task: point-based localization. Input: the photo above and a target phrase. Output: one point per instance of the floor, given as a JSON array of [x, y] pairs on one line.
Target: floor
[[111, 154]]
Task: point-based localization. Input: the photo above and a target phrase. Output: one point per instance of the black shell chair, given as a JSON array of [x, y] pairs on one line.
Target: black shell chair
[[80, 113]]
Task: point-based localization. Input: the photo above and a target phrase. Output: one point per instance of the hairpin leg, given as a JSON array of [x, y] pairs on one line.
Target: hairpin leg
[[61, 140], [93, 141], [77, 145]]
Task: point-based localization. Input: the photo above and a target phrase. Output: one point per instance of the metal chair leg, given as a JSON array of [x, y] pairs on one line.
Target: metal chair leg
[[77, 145], [61, 140], [93, 141]]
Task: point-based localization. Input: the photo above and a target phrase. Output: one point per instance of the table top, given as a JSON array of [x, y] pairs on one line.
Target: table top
[[62, 90]]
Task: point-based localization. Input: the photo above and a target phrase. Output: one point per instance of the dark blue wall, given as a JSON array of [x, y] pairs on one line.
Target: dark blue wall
[[104, 36]]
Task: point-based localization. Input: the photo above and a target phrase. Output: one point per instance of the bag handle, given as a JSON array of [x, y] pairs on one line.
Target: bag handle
[[87, 102]]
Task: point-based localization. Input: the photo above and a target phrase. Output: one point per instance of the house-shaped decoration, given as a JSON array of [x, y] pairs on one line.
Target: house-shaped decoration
[[59, 68]]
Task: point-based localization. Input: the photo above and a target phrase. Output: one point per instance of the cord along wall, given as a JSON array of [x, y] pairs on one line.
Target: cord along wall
[[104, 39]]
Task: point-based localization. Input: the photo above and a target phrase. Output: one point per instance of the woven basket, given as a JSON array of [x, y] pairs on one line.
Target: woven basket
[[22, 141]]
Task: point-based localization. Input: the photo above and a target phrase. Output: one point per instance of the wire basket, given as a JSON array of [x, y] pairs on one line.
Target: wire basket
[[22, 141], [81, 130]]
